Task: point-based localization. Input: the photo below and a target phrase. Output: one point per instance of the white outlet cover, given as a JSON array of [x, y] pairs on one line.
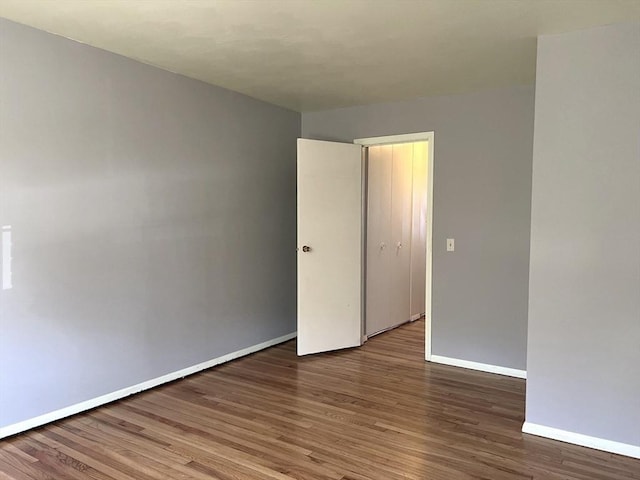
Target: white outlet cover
[[451, 244], [6, 257]]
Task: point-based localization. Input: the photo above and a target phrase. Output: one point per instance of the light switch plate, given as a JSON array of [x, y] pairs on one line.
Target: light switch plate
[[451, 244], [6, 257]]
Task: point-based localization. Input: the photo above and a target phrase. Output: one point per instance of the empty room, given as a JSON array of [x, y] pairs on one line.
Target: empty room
[[320, 239]]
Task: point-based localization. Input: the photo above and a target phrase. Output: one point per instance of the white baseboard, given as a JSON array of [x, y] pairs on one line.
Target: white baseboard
[[416, 316], [117, 395], [483, 367], [582, 440]]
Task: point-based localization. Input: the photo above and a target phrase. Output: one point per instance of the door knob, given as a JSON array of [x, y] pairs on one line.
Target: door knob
[[306, 249]]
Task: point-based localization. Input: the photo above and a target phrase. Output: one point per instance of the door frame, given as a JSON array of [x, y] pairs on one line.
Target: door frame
[[411, 138]]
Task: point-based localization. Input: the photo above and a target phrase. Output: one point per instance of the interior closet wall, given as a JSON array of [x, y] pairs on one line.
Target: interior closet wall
[[396, 204]]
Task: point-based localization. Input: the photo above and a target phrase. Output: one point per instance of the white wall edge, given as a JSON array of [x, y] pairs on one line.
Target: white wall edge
[[483, 367], [582, 440], [117, 395]]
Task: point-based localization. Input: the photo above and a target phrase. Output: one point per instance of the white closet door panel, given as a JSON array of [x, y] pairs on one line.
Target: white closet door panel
[[379, 247], [401, 220], [419, 229]]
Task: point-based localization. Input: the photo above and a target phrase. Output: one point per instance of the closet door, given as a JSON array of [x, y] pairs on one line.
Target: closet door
[[419, 230], [379, 245], [401, 203]]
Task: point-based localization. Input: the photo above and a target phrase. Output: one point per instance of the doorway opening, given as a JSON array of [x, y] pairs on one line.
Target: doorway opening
[[331, 237], [398, 232]]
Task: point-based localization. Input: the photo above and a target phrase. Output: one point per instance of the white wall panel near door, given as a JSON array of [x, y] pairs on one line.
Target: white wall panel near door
[[379, 243], [401, 202], [419, 229]]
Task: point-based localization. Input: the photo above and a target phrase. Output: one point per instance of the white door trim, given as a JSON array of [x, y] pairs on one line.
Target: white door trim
[[388, 139], [409, 138]]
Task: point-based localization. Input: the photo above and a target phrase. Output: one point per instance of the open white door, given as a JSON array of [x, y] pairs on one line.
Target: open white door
[[330, 246]]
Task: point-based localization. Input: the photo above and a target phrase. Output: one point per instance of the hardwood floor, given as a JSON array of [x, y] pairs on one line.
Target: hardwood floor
[[378, 412]]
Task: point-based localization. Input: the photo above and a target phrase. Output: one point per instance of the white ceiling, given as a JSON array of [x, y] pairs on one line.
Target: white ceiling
[[319, 54]]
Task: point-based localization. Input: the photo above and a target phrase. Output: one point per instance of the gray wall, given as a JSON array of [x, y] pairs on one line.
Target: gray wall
[[153, 220], [482, 198], [584, 298]]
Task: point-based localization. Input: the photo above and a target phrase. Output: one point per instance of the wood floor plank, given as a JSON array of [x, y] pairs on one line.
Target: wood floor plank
[[379, 412]]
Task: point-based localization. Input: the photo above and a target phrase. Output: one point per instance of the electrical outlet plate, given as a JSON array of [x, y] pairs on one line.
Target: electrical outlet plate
[[451, 244], [6, 257]]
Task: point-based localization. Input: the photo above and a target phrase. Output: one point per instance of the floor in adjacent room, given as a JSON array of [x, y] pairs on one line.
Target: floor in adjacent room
[[377, 412]]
